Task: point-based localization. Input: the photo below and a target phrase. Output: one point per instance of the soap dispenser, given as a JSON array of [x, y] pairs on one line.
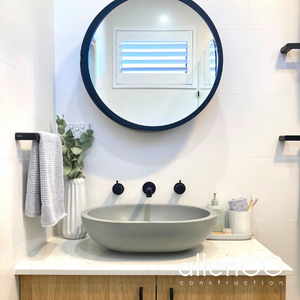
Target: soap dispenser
[[220, 214]]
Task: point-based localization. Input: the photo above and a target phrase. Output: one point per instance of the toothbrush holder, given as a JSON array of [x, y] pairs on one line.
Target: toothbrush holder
[[241, 222]]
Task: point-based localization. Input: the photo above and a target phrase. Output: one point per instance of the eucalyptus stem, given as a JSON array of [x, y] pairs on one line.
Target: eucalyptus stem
[[73, 149]]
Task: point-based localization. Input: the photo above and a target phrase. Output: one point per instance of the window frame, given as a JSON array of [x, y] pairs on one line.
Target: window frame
[[191, 82]]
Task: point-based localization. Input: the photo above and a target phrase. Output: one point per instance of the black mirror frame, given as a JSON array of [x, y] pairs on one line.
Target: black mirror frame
[[84, 67]]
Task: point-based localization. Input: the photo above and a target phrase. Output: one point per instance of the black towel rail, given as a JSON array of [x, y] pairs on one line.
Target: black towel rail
[[284, 138], [290, 46], [26, 136]]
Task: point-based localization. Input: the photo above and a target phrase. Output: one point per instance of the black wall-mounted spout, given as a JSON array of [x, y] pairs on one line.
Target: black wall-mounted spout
[[149, 189]]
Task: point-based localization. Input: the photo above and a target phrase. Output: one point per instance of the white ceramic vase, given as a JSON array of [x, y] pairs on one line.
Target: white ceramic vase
[[75, 203]]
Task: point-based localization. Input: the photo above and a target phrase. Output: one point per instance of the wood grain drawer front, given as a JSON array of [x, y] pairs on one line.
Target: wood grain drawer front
[[221, 288], [46, 287]]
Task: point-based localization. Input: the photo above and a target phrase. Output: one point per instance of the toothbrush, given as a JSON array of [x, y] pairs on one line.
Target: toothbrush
[[251, 203], [256, 200]]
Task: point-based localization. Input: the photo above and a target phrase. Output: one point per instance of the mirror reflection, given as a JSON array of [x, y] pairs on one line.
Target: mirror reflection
[[154, 62]]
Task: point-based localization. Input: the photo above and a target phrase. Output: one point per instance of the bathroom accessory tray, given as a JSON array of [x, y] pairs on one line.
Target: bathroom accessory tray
[[230, 237]]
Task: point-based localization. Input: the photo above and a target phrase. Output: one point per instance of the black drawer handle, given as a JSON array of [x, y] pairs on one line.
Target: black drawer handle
[[171, 294], [141, 293]]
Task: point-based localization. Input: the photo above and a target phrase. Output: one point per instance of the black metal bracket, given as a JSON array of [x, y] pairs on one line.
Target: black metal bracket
[[141, 293], [284, 138], [23, 136], [171, 294], [290, 46]]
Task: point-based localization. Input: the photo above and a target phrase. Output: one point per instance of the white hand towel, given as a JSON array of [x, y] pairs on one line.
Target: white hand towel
[[45, 185]]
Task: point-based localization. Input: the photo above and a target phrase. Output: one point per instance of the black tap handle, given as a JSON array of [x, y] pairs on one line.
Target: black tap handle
[[118, 188], [179, 188]]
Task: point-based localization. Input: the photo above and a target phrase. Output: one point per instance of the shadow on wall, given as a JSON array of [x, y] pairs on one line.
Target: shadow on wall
[[125, 144], [113, 199], [140, 148], [134, 155], [151, 148], [285, 63], [288, 159]]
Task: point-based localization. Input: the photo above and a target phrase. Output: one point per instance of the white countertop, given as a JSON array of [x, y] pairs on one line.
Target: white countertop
[[85, 257]]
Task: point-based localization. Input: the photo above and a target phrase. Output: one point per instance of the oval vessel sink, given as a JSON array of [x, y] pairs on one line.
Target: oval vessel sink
[[149, 228]]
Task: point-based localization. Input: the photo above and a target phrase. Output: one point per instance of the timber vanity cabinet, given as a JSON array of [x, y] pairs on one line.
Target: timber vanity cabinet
[[90, 287]]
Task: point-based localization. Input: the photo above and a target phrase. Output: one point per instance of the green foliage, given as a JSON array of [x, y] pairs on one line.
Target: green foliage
[[85, 146], [73, 149], [60, 129], [76, 151]]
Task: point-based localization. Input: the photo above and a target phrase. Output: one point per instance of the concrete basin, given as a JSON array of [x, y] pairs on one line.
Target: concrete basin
[[149, 228]]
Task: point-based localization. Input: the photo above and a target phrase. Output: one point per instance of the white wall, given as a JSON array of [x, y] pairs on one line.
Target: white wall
[[231, 148], [26, 104]]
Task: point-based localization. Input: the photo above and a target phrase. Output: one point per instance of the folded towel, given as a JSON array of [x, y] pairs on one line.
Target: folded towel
[[45, 185]]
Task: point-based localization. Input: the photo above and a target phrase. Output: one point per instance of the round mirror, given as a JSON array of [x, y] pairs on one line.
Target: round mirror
[[151, 64]]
